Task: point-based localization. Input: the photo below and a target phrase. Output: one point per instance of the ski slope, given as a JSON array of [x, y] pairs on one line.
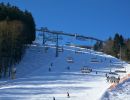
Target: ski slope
[[121, 92], [34, 81]]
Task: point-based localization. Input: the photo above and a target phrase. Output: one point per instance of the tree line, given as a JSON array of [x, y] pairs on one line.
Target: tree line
[[117, 46], [17, 30]]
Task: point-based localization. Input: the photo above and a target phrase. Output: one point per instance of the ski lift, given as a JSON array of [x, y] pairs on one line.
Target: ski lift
[[112, 73], [121, 70], [70, 60], [52, 40], [85, 69], [80, 38], [46, 47], [60, 38], [78, 51], [68, 43], [94, 60], [75, 35], [60, 49], [40, 34]]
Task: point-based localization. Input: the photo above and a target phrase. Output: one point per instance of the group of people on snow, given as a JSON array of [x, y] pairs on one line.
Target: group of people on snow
[[113, 79]]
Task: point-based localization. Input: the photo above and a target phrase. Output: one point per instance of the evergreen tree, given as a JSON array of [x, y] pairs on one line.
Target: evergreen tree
[[108, 46], [17, 29], [98, 46], [116, 45]]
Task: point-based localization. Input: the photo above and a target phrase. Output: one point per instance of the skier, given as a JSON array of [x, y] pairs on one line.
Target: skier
[[51, 64], [68, 68], [54, 98], [91, 70], [118, 79], [68, 95], [106, 74], [96, 72], [108, 78], [49, 69]]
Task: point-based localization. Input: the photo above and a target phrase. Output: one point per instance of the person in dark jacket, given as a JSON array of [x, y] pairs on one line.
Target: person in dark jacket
[[54, 98], [49, 69], [68, 95], [68, 68], [51, 64]]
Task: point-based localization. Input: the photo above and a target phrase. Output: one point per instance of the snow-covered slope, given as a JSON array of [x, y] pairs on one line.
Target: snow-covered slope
[[121, 92], [34, 81]]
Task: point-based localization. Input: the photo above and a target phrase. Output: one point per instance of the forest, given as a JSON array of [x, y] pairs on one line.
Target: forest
[[17, 30], [117, 46]]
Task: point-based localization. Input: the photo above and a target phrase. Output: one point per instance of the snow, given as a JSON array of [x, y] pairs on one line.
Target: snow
[[34, 81], [120, 92]]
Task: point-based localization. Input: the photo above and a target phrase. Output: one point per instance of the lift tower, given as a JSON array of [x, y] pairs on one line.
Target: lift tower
[[57, 33]]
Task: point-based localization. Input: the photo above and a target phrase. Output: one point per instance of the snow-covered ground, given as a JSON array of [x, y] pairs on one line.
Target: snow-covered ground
[[34, 81], [121, 92]]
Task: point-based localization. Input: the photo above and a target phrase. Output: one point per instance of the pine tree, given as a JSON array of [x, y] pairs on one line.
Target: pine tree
[[17, 29], [108, 46], [98, 46], [116, 45]]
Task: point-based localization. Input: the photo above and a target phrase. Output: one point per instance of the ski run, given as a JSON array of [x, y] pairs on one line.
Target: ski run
[[76, 74]]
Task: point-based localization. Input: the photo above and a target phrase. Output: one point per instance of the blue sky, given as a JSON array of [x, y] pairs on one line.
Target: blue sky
[[96, 18]]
